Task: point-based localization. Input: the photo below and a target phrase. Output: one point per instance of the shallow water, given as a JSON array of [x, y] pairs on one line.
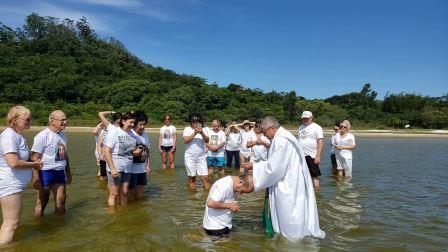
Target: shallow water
[[396, 201]]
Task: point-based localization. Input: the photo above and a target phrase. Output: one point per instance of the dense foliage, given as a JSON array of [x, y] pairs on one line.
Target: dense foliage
[[51, 63]]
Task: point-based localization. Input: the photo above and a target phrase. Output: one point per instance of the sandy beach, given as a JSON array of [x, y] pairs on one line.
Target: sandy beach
[[361, 133]]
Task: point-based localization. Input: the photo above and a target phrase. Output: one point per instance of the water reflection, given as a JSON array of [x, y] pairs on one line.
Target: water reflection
[[394, 201]]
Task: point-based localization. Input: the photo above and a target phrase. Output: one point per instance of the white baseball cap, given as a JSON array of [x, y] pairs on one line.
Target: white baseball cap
[[307, 114]]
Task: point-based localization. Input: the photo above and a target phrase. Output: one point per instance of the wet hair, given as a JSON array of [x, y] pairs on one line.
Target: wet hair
[[16, 112], [196, 118], [248, 182], [126, 116], [140, 116]]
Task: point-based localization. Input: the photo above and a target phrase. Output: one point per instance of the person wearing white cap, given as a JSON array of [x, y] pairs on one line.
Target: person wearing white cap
[[311, 138]]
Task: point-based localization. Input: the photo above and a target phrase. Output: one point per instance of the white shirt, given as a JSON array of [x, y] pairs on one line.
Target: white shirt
[[53, 147], [122, 145], [332, 148], [139, 164], [215, 219], [234, 141], [259, 151], [308, 136], [195, 149], [245, 136], [12, 142], [215, 139], [347, 140], [167, 133]]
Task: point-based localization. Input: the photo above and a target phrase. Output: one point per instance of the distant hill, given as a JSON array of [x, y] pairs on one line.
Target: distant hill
[[52, 63]]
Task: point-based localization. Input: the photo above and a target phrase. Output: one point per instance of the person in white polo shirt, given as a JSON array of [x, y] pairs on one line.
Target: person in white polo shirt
[[311, 138]]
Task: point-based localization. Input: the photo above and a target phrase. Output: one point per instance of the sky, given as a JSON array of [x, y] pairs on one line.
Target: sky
[[316, 48]]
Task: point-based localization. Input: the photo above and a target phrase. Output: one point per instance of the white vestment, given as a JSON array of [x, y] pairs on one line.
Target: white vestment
[[291, 194]]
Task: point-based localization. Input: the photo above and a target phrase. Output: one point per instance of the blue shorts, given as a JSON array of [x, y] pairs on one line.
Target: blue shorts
[[215, 161], [48, 177], [138, 179]]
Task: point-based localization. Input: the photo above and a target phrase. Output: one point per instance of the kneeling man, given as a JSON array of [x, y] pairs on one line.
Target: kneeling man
[[221, 203]]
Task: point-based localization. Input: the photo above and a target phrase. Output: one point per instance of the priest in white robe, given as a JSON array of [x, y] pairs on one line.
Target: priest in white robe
[[292, 201]]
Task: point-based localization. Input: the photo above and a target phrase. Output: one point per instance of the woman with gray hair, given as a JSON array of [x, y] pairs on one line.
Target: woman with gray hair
[[344, 143]]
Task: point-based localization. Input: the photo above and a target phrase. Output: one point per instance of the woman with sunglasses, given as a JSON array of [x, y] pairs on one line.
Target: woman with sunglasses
[[344, 144], [167, 142]]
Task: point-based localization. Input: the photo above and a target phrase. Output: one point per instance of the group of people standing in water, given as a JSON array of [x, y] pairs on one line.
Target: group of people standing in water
[[263, 151], [46, 164]]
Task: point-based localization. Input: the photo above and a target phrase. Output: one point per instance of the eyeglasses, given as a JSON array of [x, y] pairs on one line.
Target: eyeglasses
[[60, 120]]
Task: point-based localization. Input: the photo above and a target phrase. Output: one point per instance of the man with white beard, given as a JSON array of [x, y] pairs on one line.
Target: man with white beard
[[292, 202]]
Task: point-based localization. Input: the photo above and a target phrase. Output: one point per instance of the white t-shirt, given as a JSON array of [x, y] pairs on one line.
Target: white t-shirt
[[12, 142], [347, 140], [167, 133], [139, 164], [245, 135], [234, 141], [332, 148], [259, 151], [308, 136], [195, 149], [122, 145], [53, 147], [215, 219], [216, 139]]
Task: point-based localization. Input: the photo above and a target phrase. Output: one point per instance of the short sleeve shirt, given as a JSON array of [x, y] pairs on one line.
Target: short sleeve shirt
[[139, 163], [215, 219], [122, 145], [259, 151], [308, 136], [195, 149], [234, 141], [348, 140], [53, 147], [167, 133], [12, 142], [215, 139]]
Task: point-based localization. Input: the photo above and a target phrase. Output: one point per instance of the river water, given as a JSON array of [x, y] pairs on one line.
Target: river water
[[396, 201]]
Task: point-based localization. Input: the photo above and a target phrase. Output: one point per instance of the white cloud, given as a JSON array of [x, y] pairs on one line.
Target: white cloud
[[46, 9]]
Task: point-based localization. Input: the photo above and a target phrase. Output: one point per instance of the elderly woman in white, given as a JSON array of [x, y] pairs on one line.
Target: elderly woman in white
[[344, 143], [15, 169]]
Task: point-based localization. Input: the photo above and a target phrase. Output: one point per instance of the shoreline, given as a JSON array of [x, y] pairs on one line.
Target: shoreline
[[360, 133]]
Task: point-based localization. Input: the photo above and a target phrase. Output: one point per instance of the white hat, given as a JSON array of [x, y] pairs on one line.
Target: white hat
[[307, 114]]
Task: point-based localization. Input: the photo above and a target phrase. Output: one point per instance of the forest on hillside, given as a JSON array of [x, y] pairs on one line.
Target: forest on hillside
[[53, 63]]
